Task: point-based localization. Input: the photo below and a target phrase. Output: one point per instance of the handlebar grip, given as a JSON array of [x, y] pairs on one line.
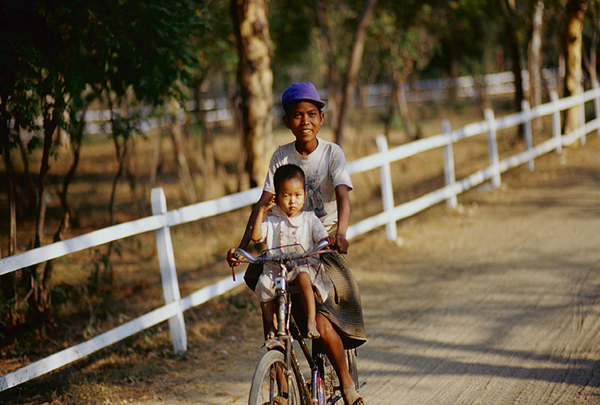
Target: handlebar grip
[[247, 255], [322, 245]]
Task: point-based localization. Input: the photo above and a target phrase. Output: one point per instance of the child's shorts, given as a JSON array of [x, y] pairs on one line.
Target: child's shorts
[[265, 287]]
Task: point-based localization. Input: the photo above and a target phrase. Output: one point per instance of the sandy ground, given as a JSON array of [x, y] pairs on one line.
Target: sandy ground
[[495, 306], [494, 303]]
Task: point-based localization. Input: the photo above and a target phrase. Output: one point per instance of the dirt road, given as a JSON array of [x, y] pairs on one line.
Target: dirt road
[[498, 305], [497, 302]]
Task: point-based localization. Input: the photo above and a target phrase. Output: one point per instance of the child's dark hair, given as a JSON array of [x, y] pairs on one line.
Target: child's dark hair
[[287, 172]]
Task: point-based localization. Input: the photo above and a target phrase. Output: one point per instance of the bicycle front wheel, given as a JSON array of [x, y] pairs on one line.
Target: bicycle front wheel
[[270, 382]]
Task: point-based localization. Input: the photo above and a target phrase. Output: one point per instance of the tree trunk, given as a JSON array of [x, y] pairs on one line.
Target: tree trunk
[[333, 73], [52, 114], [27, 198], [453, 91], [575, 12], [212, 167], [393, 101], [43, 296], [535, 61], [535, 58], [255, 78], [591, 60], [157, 156], [508, 7], [76, 138], [353, 68], [50, 125], [184, 175], [8, 281]]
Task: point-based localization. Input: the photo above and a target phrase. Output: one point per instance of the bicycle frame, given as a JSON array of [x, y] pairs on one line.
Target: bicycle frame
[[287, 330]]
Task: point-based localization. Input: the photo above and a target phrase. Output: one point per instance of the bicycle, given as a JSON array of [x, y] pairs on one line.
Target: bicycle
[[278, 374]]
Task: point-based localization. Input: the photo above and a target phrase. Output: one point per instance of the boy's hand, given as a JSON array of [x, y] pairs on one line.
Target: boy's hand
[[232, 258], [330, 241], [340, 244]]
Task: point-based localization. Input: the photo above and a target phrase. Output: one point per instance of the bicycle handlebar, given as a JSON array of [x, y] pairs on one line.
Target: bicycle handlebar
[[263, 258]]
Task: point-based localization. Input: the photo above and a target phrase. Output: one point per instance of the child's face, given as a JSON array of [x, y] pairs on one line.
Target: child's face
[[290, 197], [304, 120]]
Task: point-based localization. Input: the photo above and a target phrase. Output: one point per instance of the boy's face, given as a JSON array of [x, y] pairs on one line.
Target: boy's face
[[304, 120], [290, 197]]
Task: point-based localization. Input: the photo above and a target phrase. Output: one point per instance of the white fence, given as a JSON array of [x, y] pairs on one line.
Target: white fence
[[217, 110], [162, 220]]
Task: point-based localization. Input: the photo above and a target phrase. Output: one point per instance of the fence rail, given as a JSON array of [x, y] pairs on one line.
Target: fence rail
[[162, 219]]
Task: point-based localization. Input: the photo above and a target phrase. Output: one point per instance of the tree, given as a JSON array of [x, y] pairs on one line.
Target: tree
[[354, 61], [509, 9], [535, 57], [256, 80], [217, 63], [573, 44], [592, 41], [403, 44], [54, 52]]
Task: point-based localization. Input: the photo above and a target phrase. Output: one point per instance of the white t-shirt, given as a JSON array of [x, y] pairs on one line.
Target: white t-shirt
[[325, 168]]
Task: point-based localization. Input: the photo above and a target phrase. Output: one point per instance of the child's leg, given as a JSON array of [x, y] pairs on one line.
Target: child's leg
[[270, 317], [308, 301]]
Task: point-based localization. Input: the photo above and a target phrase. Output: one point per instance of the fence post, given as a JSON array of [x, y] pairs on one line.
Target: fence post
[[387, 191], [166, 259], [582, 140], [528, 135], [597, 108], [493, 147], [449, 175], [556, 122]]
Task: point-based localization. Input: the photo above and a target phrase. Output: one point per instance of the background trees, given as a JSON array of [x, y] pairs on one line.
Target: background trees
[[60, 59], [255, 78]]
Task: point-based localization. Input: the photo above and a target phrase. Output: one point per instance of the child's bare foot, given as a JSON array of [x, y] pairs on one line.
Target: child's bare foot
[[313, 333], [272, 334]]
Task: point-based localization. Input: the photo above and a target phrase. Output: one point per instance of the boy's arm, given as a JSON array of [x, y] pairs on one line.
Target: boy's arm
[[264, 201], [343, 209]]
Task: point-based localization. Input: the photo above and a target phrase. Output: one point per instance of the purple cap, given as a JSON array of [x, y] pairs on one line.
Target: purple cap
[[301, 91]]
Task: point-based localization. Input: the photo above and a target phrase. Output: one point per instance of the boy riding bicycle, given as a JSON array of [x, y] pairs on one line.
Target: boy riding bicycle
[[339, 319]]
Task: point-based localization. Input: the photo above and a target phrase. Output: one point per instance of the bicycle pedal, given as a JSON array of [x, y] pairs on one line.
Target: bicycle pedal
[[334, 400]]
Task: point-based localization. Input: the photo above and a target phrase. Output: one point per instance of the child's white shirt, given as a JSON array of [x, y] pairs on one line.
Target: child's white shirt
[[296, 234]]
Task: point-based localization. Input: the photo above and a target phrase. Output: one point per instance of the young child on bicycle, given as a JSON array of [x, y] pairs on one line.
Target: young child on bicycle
[[285, 228]]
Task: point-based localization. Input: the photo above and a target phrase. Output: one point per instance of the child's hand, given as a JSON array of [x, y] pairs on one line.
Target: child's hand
[[263, 210], [232, 258]]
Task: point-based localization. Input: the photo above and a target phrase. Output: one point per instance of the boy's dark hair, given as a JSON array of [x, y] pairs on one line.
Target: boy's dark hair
[[287, 172], [288, 111]]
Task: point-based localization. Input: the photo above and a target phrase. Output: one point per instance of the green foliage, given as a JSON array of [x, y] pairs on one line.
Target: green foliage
[[468, 30], [57, 48], [214, 41], [400, 41], [295, 35]]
